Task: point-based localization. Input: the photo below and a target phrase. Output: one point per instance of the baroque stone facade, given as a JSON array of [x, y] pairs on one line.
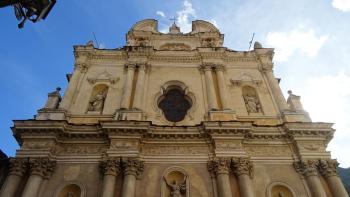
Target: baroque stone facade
[[172, 115]]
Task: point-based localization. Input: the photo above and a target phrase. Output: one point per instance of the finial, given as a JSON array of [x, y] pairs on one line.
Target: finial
[[173, 19], [290, 92], [58, 89], [257, 45]]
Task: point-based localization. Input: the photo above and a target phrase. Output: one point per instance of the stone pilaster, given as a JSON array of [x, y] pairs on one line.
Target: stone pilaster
[[140, 87], [79, 70], [209, 83], [40, 169], [276, 90], [243, 169], [309, 170], [221, 168], [132, 169], [127, 91], [17, 167], [219, 69], [110, 170], [328, 168]]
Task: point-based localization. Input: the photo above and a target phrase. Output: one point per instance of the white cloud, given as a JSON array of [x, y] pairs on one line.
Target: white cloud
[[183, 17], [326, 98], [160, 13], [343, 5], [287, 43]]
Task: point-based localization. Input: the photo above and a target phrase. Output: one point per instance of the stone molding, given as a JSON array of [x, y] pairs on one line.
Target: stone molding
[[111, 166], [18, 166], [132, 166], [242, 166], [43, 167]]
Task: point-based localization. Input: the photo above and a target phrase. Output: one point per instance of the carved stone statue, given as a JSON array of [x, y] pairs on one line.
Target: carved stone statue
[[252, 104], [280, 194], [70, 194], [176, 190], [97, 102]]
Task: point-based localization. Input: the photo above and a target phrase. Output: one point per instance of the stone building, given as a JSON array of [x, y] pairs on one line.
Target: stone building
[[172, 115]]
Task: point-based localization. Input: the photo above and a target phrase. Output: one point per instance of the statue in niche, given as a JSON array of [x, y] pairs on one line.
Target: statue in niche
[[280, 194], [176, 189], [70, 194], [96, 103], [252, 104]]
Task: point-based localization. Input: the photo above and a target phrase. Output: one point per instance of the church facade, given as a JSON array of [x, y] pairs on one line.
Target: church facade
[[172, 115]]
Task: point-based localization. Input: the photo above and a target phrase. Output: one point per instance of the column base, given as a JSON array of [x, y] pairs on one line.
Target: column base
[[225, 115], [51, 114], [296, 116], [128, 114]]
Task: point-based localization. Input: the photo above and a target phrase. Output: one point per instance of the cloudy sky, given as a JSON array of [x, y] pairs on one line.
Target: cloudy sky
[[311, 41]]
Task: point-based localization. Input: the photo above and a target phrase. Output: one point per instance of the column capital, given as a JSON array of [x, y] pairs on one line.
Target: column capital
[[18, 166], [219, 67], [206, 67], [328, 167], [81, 67], [242, 166], [306, 168], [111, 166], [219, 166], [132, 166], [42, 167], [130, 66]]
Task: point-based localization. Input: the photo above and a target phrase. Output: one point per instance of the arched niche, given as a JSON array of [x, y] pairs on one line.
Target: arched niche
[[171, 87], [175, 182], [97, 99], [251, 100], [71, 189], [280, 189]]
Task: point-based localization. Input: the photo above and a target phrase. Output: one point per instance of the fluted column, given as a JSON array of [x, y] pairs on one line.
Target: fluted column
[[328, 168], [140, 87], [40, 168], [110, 169], [243, 169], [127, 91], [221, 168], [132, 168], [276, 91], [17, 168], [309, 170], [79, 69], [209, 83], [222, 86]]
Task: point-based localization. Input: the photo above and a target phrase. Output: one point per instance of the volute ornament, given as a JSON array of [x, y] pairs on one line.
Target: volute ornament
[[18, 166], [306, 168], [111, 166], [328, 167], [242, 166]]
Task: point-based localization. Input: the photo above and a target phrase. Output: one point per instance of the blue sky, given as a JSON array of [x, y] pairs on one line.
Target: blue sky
[[311, 39]]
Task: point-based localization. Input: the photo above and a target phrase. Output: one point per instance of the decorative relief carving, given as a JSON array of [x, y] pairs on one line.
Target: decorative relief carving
[[42, 167], [18, 166], [227, 146], [175, 47], [245, 79], [124, 145], [79, 149], [328, 167], [306, 168], [111, 166], [132, 166], [312, 146], [242, 166], [268, 150], [38, 145], [169, 150]]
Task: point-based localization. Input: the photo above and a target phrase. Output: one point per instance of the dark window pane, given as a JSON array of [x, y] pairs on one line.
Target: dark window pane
[[174, 105]]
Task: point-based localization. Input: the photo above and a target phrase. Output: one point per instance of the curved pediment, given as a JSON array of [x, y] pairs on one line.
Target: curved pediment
[[146, 25], [203, 26]]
